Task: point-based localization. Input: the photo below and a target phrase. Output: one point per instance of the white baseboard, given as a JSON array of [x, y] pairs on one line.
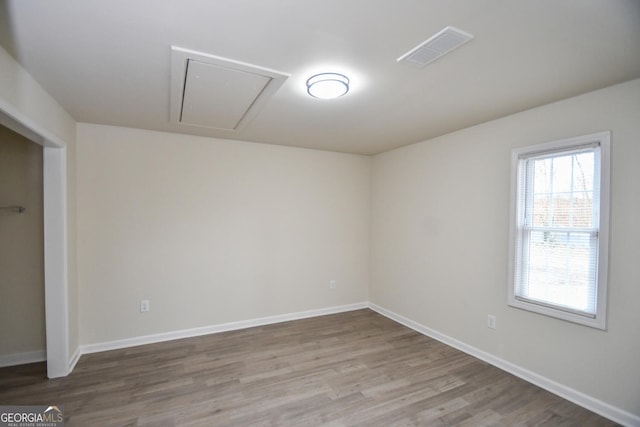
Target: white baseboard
[[213, 329], [22, 358], [615, 414], [74, 359]]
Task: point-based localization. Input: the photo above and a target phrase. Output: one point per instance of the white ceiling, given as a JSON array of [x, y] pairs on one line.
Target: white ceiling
[[109, 61]]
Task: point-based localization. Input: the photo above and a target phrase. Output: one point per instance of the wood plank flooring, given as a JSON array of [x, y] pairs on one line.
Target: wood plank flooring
[[350, 369]]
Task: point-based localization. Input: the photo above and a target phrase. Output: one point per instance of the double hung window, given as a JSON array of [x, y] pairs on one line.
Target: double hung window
[[559, 229]]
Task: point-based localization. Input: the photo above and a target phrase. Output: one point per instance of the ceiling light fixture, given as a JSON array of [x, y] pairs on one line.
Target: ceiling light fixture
[[327, 85]]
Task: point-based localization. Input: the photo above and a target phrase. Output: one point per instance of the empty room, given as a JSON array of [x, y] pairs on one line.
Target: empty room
[[304, 213]]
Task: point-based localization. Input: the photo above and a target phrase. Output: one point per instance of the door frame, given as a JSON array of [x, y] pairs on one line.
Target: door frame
[[54, 160]]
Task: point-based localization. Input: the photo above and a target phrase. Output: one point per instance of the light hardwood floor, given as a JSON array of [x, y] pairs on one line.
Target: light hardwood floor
[[355, 368]]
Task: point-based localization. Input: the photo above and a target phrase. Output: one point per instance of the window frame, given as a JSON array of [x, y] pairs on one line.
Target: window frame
[[603, 139]]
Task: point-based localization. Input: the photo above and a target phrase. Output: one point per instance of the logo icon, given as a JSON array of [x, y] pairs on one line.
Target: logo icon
[[31, 416]]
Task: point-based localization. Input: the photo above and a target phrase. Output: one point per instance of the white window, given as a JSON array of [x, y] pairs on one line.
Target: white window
[[559, 229]]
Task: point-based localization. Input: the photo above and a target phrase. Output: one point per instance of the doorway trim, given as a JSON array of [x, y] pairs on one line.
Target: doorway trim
[[54, 155]]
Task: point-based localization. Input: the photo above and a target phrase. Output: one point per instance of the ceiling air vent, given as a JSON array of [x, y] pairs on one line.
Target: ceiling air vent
[[219, 93], [443, 42]]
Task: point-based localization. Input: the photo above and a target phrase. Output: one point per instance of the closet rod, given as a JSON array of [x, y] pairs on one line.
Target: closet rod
[[18, 209]]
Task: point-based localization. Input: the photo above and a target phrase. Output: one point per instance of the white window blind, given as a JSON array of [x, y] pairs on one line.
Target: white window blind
[[556, 230]]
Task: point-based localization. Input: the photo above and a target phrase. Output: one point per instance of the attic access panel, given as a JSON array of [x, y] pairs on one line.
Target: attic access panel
[[218, 93]]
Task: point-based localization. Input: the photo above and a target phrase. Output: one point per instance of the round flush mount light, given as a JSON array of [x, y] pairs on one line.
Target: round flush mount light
[[327, 85]]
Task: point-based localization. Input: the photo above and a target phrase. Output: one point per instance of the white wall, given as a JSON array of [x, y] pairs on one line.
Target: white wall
[[20, 92], [213, 231], [440, 214]]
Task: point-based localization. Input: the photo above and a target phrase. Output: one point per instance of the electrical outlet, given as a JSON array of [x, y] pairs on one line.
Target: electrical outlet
[[491, 321], [144, 306], [332, 284]]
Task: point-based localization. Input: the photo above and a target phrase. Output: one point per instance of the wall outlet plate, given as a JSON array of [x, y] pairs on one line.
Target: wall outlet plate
[[491, 321], [145, 305]]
